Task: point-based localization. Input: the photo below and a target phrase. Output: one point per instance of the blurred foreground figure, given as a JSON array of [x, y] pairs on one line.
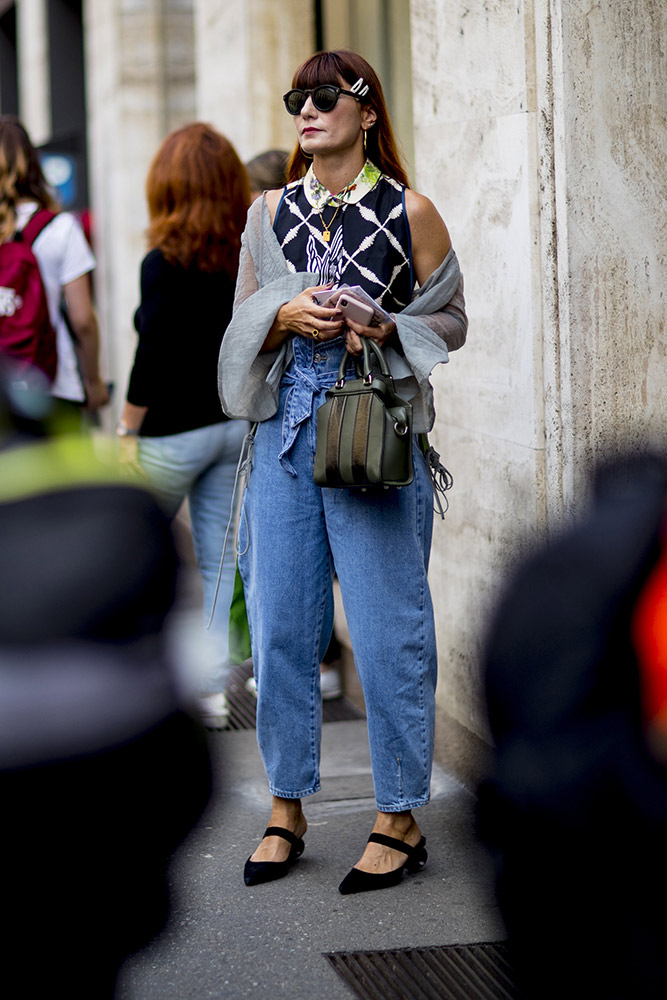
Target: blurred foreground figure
[[576, 807], [101, 772]]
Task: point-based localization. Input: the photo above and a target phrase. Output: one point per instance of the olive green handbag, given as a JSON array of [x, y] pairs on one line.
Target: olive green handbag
[[364, 429]]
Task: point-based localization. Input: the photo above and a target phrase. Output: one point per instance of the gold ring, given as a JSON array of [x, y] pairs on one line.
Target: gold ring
[[316, 334]]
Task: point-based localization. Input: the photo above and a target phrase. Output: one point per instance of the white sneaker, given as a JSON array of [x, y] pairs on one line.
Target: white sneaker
[[251, 686], [213, 710], [331, 684]]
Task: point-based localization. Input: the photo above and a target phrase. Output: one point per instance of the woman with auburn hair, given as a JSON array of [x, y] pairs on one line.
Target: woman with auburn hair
[[65, 261], [172, 424], [347, 217]]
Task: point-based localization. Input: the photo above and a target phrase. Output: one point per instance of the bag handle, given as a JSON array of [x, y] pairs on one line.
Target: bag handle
[[367, 345]]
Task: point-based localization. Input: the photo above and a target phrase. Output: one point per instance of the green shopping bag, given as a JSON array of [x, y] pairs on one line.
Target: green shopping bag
[[239, 633]]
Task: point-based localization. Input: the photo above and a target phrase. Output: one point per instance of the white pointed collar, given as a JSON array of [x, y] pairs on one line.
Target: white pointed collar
[[318, 196]]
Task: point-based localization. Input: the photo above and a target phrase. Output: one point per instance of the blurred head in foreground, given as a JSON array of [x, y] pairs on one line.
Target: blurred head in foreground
[[576, 807], [101, 772]]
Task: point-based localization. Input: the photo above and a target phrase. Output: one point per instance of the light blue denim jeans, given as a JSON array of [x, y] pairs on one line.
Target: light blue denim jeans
[[201, 465], [292, 534]]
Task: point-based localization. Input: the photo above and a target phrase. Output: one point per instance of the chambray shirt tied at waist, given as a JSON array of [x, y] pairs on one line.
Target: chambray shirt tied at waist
[[305, 383]]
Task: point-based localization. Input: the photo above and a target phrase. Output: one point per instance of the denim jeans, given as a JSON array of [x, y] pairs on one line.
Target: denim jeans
[[292, 534], [201, 465]]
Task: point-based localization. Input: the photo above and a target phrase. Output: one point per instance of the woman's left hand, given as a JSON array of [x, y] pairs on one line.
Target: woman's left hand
[[355, 331]]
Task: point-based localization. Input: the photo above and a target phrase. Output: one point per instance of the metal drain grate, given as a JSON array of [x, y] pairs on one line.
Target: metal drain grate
[[453, 972], [243, 704]]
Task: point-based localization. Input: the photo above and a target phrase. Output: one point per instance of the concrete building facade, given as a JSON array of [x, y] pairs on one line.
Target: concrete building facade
[[537, 128]]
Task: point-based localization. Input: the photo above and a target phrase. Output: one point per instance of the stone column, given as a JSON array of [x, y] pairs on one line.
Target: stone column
[[539, 136], [32, 41], [475, 118], [247, 51], [140, 76], [610, 134]]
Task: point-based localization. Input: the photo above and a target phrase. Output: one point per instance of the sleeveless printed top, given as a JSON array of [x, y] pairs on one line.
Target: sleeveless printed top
[[358, 237]]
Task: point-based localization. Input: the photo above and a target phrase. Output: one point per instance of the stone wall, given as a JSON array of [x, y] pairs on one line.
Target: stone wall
[[612, 190], [547, 170]]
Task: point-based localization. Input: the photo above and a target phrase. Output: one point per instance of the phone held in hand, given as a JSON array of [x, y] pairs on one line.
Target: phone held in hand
[[355, 310], [327, 297], [354, 296]]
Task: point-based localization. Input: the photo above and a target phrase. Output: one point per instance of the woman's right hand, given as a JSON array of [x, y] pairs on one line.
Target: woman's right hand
[[304, 317], [97, 393]]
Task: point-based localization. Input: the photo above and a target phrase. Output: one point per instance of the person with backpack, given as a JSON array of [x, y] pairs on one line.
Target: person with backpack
[[47, 318]]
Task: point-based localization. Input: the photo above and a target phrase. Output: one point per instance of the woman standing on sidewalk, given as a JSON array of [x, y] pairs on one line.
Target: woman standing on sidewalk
[[351, 219], [172, 424]]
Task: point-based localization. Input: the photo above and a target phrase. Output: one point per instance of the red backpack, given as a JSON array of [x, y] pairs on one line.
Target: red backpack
[[26, 331]]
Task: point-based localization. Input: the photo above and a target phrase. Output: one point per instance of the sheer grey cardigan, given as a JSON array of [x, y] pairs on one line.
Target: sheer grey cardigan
[[249, 382]]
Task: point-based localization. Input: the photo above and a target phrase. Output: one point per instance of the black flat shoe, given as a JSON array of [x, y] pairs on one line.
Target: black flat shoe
[[256, 872], [358, 881]]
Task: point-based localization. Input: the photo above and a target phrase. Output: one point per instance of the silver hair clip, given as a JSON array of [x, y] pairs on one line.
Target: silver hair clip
[[359, 88]]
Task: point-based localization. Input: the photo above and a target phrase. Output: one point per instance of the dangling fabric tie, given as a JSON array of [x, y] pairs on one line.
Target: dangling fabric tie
[[243, 470], [441, 478]]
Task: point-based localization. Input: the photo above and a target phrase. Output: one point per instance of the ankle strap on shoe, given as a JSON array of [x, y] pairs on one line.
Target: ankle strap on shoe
[[280, 831], [396, 845]]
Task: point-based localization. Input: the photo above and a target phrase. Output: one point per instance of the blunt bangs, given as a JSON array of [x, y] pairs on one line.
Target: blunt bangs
[[322, 68]]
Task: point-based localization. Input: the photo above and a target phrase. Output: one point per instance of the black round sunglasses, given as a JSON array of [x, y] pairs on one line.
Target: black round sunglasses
[[324, 98]]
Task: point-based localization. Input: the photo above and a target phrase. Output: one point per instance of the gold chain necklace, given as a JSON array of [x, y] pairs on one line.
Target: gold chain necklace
[[326, 229]]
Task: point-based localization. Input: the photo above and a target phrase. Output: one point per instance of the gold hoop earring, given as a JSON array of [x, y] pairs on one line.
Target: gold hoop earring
[[365, 139], [306, 156]]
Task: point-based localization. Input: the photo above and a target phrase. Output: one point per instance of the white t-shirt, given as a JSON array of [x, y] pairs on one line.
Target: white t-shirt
[[63, 254]]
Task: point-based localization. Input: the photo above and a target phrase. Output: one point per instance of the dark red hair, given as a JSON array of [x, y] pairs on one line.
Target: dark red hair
[[198, 197], [332, 67]]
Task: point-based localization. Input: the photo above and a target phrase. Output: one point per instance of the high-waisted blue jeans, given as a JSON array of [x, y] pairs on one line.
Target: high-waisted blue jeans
[[292, 535]]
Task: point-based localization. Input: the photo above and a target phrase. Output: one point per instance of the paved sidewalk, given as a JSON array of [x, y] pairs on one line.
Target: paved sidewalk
[[228, 941]]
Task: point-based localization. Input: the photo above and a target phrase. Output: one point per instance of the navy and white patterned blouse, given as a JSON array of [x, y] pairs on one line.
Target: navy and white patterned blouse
[[369, 237]]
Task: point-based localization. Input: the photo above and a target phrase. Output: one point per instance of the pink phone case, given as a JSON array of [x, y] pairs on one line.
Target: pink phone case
[[355, 310]]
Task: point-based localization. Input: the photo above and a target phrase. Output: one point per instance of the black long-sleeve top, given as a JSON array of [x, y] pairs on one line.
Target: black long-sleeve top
[[181, 320]]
